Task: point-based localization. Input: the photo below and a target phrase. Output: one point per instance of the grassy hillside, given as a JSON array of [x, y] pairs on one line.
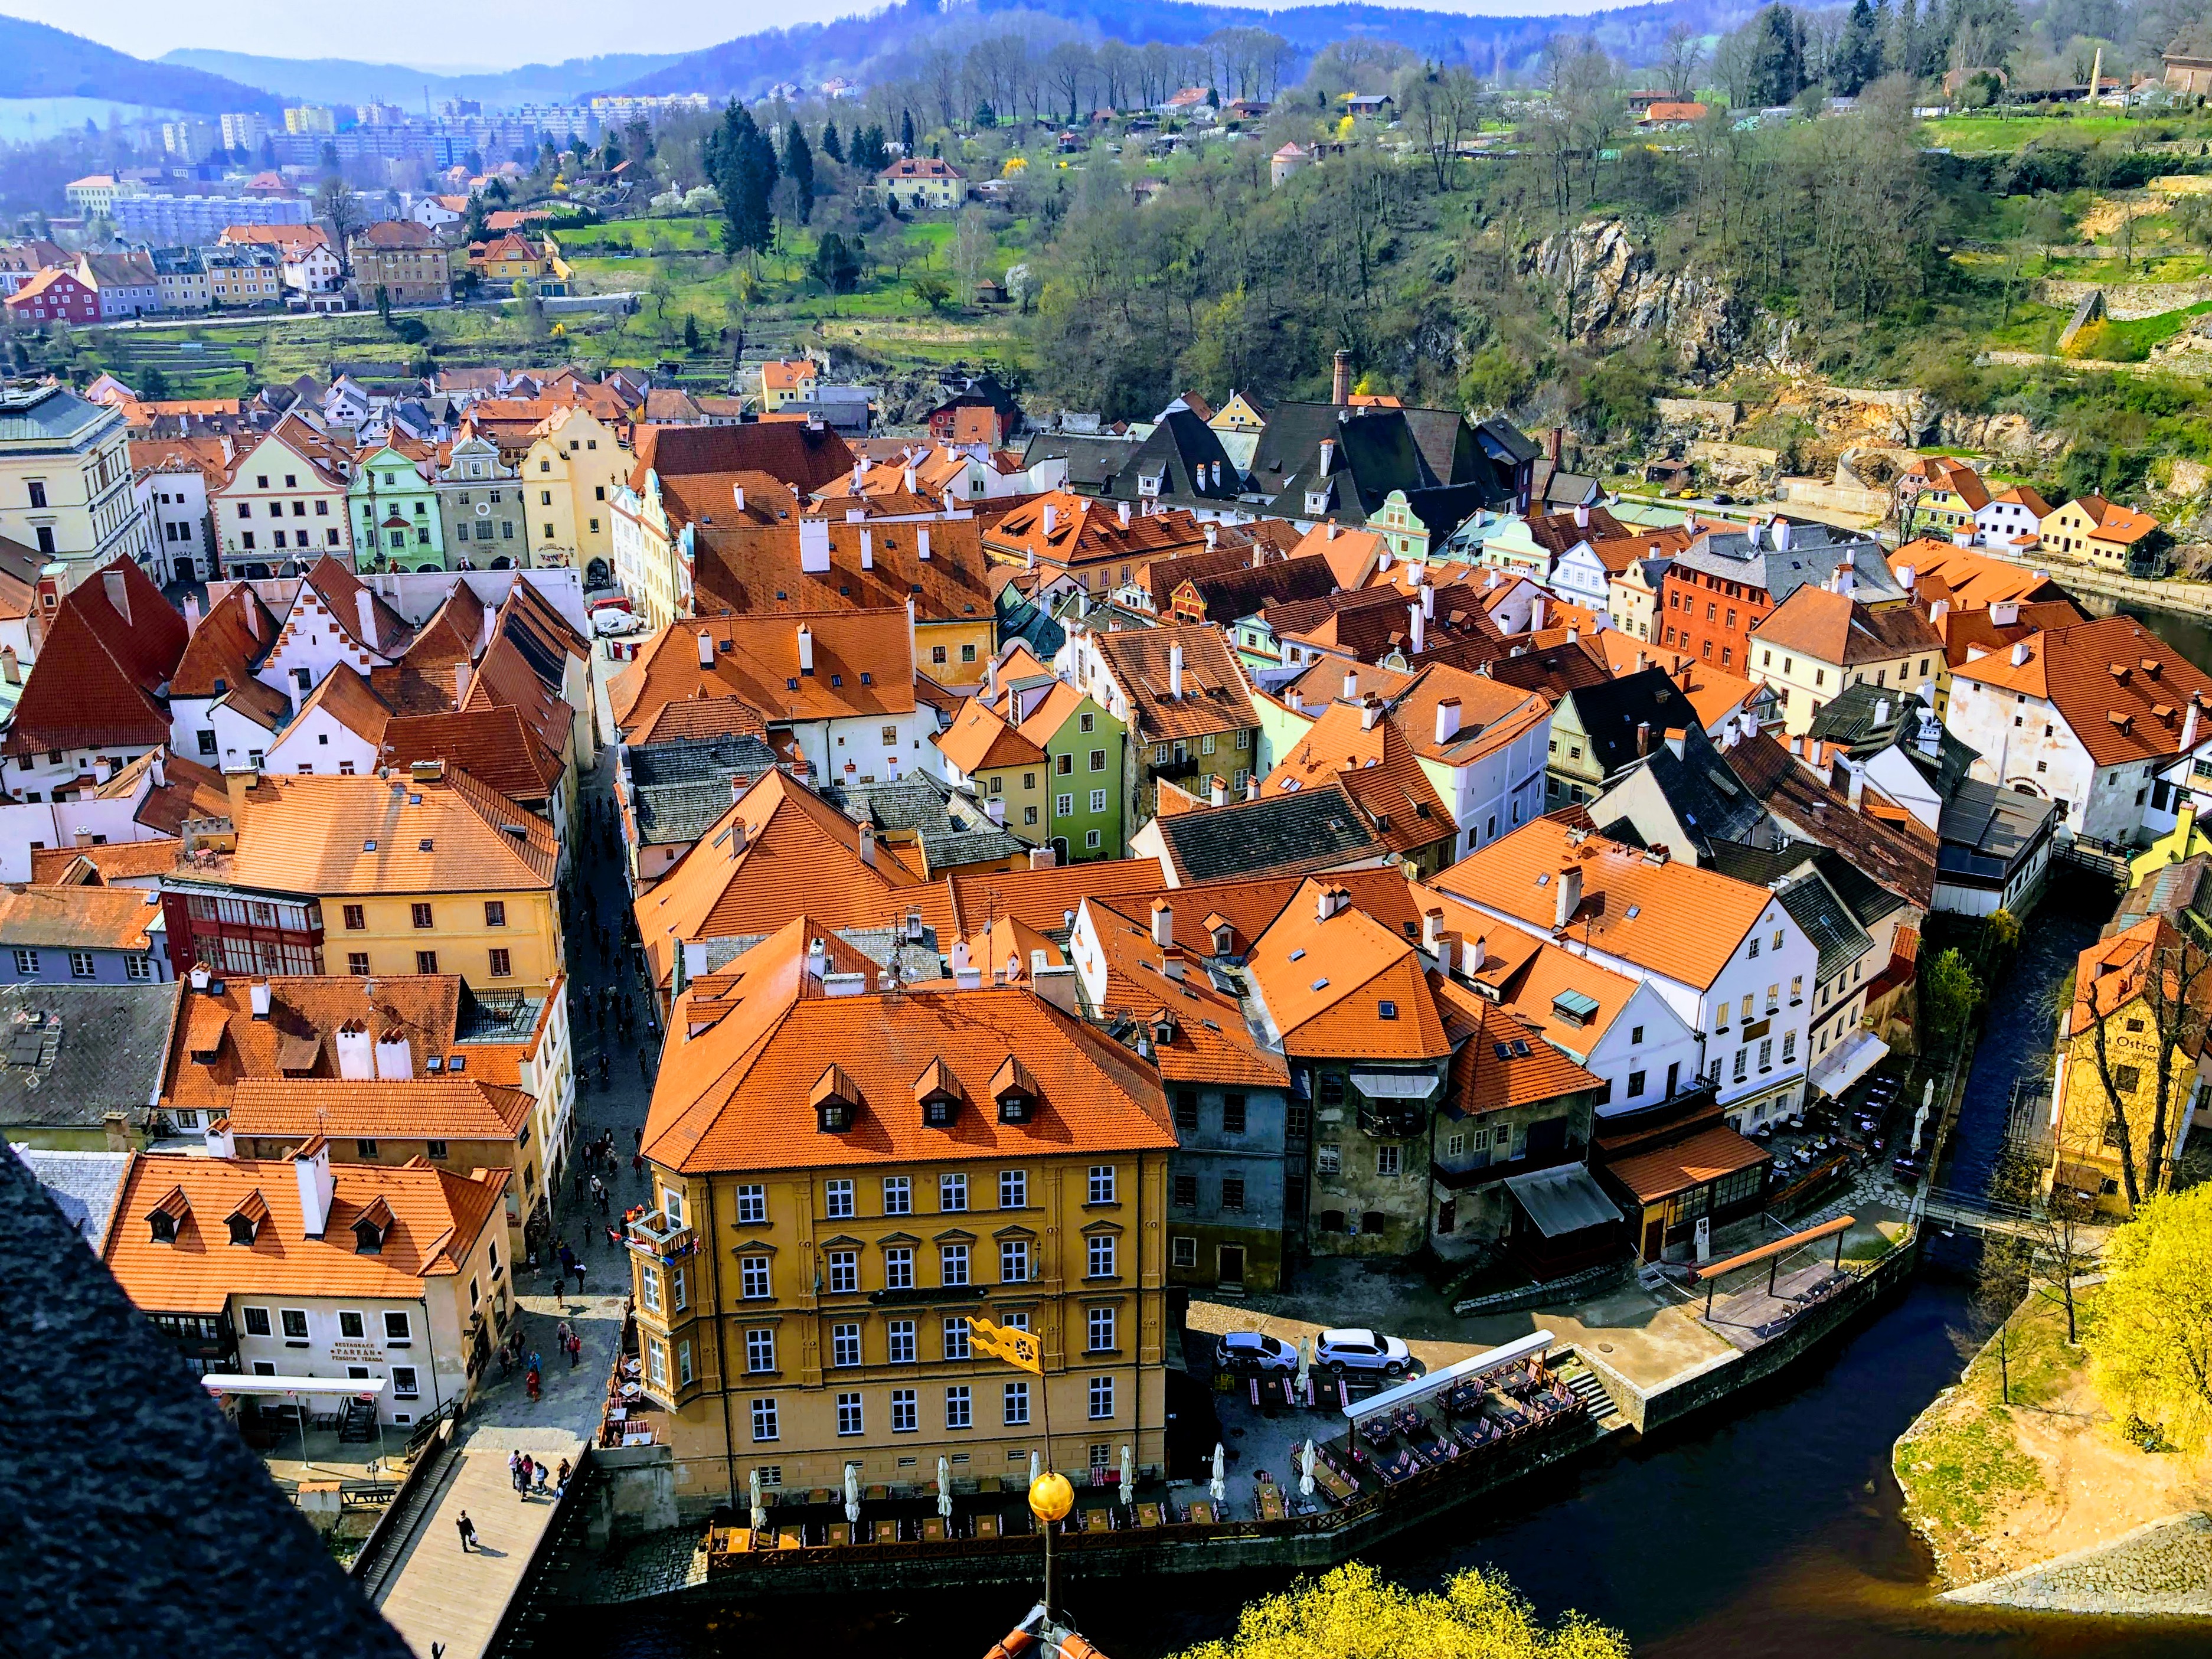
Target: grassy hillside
[[39, 62]]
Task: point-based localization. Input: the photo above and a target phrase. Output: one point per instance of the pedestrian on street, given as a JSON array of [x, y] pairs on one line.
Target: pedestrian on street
[[561, 1480], [515, 1468], [637, 1138], [605, 1200], [560, 1335], [580, 1278], [468, 1528], [576, 1350], [644, 1066], [603, 1068], [538, 1478], [530, 1383]]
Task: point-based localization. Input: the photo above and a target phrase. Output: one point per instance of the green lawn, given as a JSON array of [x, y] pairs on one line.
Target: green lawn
[[2008, 133], [2131, 341]]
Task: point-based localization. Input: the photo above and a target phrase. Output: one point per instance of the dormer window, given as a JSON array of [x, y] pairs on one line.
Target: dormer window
[[938, 1092], [1015, 1090], [245, 1222], [836, 1100], [164, 1226], [369, 1228]]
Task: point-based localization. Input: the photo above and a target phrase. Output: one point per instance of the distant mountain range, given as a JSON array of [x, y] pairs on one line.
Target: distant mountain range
[[853, 46], [37, 61], [345, 81]]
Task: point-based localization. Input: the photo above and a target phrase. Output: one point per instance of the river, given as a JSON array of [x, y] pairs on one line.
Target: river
[[1774, 1531]]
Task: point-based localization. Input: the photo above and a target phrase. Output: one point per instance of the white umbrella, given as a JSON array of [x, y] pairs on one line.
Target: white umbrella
[[1305, 1363], [1306, 1469], [853, 1492], [1128, 1477], [760, 1509], [1037, 1468], [945, 1489], [1220, 1485]]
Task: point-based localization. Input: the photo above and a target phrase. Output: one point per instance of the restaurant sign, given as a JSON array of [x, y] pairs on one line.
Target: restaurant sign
[[358, 1353]]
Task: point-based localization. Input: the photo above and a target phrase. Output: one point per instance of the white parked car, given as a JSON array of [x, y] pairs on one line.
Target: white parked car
[[1338, 1351], [612, 624], [1250, 1351]]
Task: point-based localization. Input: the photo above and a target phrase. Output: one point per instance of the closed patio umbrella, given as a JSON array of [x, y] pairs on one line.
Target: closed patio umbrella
[[760, 1509], [1037, 1468], [1305, 1470], [1219, 1486], [1305, 1363], [853, 1492], [945, 1489], [1128, 1477]]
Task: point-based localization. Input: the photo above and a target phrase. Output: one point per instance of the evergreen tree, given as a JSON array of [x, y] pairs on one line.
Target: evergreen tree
[[690, 332], [798, 167], [869, 152], [741, 162], [906, 130], [1858, 51], [832, 146], [836, 265], [1776, 69]]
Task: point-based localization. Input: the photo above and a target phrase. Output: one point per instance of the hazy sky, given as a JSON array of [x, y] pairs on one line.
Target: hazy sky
[[492, 34]]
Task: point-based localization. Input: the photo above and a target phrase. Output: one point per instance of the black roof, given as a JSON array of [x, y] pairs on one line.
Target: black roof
[[1182, 457], [1985, 832], [1824, 919], [1309, 829], [1867, 899], [1502, 440], [139, 1523], [1866, 720], [1713, 805], [70, 1055], [1611, 710], [1092, 461], [679, 788]]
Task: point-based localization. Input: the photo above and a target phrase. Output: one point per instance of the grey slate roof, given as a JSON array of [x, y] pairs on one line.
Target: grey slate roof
[[1704, 794], [1986, 831], [80, 1185], [925, 806], [679, 788], [50, 414], [1092, 461], [1867, 719], [70, 1055], [139, 1521], [1312, 829], [1824, 919], [1611, 710], [1813, 554], [1181, 455]]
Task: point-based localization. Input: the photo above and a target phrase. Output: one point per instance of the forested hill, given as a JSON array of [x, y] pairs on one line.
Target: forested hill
[[864, 48], [37, 61], [351, 81]]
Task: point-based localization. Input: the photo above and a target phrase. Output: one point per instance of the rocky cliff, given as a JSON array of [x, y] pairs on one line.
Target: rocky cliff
[[1608, 291]]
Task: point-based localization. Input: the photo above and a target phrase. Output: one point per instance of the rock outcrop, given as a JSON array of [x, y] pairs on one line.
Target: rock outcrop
[[1611, 293]]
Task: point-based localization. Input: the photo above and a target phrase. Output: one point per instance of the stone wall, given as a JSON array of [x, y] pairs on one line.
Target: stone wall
[[1707, 414], [2161, 1570], [2126, 301]]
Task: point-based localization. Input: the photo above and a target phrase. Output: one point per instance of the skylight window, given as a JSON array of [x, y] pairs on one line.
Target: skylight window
[[368, 846], [1321, 984], [1299, 954], [1386, 1009]]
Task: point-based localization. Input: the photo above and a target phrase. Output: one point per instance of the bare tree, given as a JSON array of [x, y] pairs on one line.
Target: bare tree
[[337, 207], [1680, 57], [2157, 999], [1069, 66]]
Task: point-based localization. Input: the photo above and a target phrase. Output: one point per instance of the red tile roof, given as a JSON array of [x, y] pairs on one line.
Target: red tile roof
[[101, 672]]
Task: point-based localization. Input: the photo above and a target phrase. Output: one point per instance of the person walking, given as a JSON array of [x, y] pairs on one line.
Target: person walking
[[579, 1271], [515, 1468], [539, 1477], [530, 1383], [576, 1345], [468, 1528], [561, 1480]]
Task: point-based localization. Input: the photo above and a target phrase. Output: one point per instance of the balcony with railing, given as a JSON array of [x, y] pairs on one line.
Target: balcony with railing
[[658, 1237]]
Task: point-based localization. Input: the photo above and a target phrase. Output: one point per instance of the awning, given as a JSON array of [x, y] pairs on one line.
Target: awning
[[1533, 1346], [1395, 1085], [1708, 1155], [1847, 1062], [1562, 1201], [232, 1383]]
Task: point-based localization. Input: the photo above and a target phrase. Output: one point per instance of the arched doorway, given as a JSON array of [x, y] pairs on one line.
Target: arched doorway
[[185, 568], [253, 573], [502, 562], [599, 574], [289, 568], [430, 569]]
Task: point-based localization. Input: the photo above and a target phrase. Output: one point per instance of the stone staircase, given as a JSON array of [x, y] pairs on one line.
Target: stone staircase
[[1582, 1383]]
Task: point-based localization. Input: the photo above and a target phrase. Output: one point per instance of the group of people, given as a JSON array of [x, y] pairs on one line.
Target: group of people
[[530, 1477]]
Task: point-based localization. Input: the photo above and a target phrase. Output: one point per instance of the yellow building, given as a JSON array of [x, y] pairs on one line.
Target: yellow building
[[785, 380], [844, 1176], [1818, 642], [2113, 990], [1942, 496], [2098, 531], [570, 476], [1632, 597], [428, 874]]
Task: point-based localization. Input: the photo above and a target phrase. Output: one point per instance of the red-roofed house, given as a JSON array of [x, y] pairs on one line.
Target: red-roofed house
[[97, 697]]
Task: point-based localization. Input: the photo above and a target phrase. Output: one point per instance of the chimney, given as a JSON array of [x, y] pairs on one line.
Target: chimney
[[395, 1057], [1370, 711], [1569, 899], [995, 809], [1859, 784], [157, 764], [738, 491], [1448, 713], [1252, 787], [1125, 514], [818, 957], [805, 649], [814, 546], [1536, 615], [1642, 662], [2004, 612], [1421, 626], [1473, 954], [1220, 790], [2020, 654], [1297, 701], [738, 787], [1581, 516], [1259, 555], [1174, 672], [257, 992], [1324, 904], [1559, 439], [1050, 518], [462, 671], [1677, 739], [118, 592], [1642, 739], [866, 841], [1328, 455], [1351, 685], [11, 668], [1163, 923], [1042, 857], [854, 985], [191, 613], [1781, 534], [491, 625], [1905, 574], [311, 1164], [868, 550], [1212, 535], [921, 543], [966, 979], [910, 480], [1428, 600], [706, 648], [1328, 530], [1936, 612], [1882, 711], [1339, 379], [365, 612], [220, 1143], [2188, 735], [1171, 964], [356, 1052], [1432, 930]]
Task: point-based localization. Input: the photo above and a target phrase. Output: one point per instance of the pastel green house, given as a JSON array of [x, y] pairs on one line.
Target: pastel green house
[[396, 524], [1046, 761]]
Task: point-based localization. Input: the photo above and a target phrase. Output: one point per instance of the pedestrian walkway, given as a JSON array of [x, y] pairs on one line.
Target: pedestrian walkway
[[435, 1593], [443, 1594]]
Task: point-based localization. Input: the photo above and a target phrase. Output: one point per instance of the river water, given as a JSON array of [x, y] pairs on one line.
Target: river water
[[1771, 1531]]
